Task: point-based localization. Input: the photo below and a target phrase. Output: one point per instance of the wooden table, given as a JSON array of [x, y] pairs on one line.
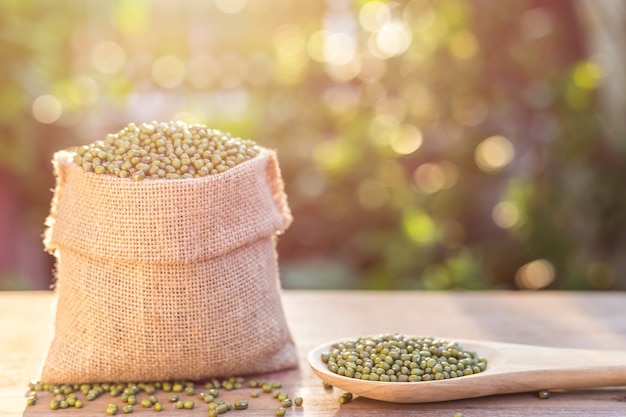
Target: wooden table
[[559, 319]]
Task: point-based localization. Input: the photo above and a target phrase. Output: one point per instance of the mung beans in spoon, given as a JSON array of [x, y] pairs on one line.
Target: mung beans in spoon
[[496, 368]]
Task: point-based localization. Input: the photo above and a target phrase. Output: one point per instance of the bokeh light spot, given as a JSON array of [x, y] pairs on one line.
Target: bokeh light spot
[[108, 57], [315, 46], [405, 139], [431, 177], [535, 275], [88, 88], [393, 39], [494, 153], [168, 71], [588, 75], [339, 48], [290, 40], [131, 16], [290, 46], [419, 227], [47, 109], [506, 215], [420, 15], [373, 15]]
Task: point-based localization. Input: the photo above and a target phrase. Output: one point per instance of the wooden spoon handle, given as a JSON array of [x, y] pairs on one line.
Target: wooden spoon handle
[[543, 367]]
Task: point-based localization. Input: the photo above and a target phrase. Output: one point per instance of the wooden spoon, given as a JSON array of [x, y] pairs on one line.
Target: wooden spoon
[[510, 368]]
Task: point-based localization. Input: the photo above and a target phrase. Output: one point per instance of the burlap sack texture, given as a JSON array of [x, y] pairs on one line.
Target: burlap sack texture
[[167, 279]]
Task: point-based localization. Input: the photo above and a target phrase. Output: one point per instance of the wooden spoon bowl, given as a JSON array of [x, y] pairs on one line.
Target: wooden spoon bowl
[[511, 368]]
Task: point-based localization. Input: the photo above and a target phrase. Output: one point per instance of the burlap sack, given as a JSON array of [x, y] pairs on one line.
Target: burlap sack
[[167, 279]]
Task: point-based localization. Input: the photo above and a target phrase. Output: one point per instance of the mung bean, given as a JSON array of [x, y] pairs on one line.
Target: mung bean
[[544, 394], [241, 404]]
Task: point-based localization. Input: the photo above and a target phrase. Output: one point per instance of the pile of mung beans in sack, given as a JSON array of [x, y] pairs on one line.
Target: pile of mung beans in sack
[[165, 150], [400, 358], [160, 396]]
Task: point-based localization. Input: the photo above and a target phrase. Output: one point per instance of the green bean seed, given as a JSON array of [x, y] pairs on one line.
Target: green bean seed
[[280, 411], [298, 401], [241, 404], [346, 397], [544, 394]]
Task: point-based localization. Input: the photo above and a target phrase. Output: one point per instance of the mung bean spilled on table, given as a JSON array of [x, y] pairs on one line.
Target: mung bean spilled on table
[[180, 394], [401, 358]]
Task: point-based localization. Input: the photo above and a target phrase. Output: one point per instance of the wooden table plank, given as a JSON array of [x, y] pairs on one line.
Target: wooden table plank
[[559, 319]]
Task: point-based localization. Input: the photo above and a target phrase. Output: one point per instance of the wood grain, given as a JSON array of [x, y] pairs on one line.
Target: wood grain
[[551, 319]]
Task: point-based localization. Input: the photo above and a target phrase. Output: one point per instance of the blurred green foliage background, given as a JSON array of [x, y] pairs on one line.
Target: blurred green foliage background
[[425, 144]]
